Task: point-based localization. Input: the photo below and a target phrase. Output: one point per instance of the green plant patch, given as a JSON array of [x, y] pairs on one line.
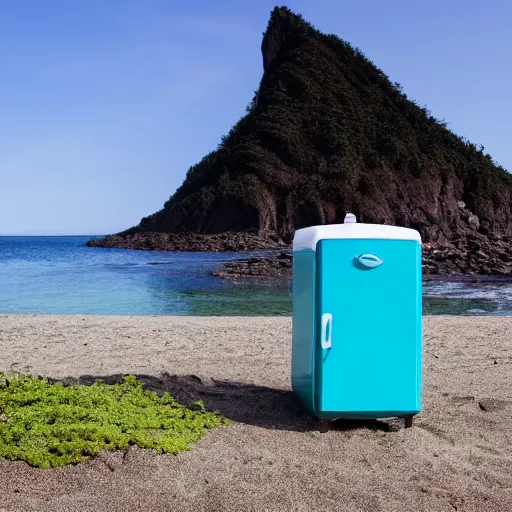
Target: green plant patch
[[49, 424]]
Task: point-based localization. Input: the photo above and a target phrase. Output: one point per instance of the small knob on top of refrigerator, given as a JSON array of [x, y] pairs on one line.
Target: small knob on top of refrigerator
[[350, 218]]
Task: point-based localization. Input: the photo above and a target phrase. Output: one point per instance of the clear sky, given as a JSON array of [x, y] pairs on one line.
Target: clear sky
[[104, 105]]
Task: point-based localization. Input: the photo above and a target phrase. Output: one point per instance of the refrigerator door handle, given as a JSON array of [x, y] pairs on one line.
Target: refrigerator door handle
[[369, 260], [326, 334]]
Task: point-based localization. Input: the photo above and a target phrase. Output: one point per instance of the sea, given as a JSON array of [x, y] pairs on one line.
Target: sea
[[60, 275]]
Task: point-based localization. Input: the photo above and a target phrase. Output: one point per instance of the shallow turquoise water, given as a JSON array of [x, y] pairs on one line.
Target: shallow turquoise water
[[59, 275]]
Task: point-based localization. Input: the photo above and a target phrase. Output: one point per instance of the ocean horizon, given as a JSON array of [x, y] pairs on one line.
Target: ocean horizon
[[49, 274]]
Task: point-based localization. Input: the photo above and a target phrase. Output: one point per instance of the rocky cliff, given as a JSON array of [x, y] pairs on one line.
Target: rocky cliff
[[327, 132]]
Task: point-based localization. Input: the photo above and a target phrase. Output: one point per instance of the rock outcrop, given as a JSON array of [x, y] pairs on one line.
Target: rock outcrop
[[327, 132], [278, 266]]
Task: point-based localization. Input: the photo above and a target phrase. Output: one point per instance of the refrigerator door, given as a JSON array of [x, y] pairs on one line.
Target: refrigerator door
[[369, 327]]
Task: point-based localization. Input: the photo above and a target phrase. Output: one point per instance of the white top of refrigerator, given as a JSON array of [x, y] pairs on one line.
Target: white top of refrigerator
[[307, 238]]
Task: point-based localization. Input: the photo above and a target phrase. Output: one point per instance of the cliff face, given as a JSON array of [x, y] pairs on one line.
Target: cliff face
[[326, 133]]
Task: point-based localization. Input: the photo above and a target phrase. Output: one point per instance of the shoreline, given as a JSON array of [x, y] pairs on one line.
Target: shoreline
[[472, 254]]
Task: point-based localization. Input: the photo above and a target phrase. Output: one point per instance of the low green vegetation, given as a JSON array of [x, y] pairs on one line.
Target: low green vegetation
[[51, 424]]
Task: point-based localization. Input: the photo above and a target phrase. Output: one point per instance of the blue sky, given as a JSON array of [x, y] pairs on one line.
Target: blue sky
[[104, 105]]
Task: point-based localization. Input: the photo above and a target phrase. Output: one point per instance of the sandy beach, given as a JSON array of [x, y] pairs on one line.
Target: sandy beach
[[458, 455]]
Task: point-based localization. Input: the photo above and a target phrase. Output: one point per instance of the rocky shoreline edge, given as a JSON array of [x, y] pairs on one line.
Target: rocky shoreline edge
[[189, 242], [473, 254]]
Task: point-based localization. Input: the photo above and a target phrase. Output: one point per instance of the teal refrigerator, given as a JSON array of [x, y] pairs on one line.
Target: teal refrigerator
[[356, 321]]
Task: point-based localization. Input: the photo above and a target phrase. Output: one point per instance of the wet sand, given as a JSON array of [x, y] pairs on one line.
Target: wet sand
[[458, 455]]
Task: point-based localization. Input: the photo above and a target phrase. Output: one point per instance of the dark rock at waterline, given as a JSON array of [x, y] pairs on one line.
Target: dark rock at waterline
[[494, 258], [470, 253], [478, 255], [188, 242], [277, 266], [474, 255]]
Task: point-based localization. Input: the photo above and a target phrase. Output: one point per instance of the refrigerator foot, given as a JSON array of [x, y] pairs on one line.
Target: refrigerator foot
[[324, 426], [408, 421]]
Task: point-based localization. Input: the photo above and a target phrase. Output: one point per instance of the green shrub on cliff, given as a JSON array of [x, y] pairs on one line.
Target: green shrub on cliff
[[50, 425]]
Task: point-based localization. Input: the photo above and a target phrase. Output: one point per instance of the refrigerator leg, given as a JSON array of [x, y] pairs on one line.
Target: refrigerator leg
[[324, 426], [408, 421]]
